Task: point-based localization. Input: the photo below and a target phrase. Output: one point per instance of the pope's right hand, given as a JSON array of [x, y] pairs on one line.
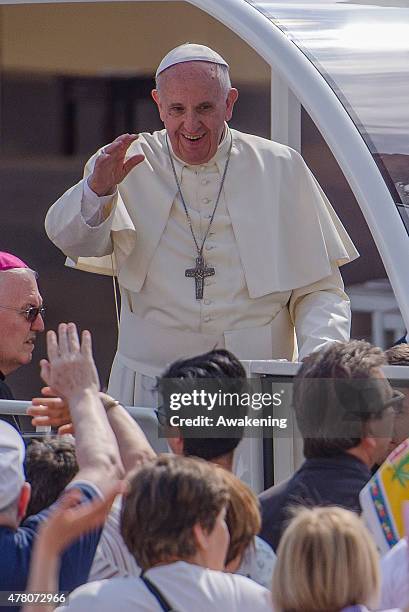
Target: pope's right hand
[[111, 167]]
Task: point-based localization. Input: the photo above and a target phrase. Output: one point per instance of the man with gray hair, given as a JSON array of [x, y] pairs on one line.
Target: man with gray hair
[[219, 239], [21, 319]]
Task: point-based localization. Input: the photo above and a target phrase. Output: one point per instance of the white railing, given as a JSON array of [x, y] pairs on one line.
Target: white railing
[[145, 417]]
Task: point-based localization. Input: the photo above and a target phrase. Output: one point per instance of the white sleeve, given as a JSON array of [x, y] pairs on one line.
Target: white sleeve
[[93, 206], [71, 232], [112, 558], [321, 313]]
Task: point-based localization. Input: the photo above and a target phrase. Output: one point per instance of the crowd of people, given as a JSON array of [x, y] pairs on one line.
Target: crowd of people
[[98, 520]]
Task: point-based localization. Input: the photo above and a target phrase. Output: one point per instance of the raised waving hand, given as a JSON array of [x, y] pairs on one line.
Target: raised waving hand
[[112, 166]]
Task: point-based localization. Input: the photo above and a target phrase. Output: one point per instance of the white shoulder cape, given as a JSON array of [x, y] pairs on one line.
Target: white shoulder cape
[[287, 231]]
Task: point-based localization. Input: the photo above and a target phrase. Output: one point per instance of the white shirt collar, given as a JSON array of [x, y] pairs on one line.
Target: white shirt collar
[[219, 158]]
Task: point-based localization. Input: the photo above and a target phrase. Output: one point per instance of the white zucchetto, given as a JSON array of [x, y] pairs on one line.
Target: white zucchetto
[[190, 52]]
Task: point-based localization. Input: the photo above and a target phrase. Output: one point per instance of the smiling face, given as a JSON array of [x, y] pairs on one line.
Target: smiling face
[[18, 289], [194, 102]]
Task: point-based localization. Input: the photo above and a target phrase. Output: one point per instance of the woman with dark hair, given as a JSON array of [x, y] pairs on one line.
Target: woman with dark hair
[[247, 554]]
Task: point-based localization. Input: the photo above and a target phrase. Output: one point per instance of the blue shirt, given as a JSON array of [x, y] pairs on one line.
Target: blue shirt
[[325, 481], [16, 546]]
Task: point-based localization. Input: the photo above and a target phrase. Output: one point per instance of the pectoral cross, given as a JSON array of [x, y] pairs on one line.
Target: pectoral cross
[[199, 273]]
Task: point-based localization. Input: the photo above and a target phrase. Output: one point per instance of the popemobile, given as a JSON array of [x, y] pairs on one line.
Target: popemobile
[[341, 67]]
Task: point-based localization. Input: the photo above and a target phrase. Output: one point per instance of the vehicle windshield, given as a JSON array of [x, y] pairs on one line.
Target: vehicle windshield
[[361, 48]]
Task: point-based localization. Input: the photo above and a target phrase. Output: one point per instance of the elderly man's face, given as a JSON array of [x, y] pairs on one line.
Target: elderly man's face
[[382, 429], [193, 108], [18, 289]]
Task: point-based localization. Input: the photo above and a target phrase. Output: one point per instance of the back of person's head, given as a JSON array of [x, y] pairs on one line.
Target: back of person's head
[[242, 517], [50, 465], [336, 391], [218, 364], [224, 371], [398, 355], [326, 561], [167, 498]]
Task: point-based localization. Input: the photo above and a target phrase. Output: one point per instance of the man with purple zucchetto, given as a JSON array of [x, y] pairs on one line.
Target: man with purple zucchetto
[[21, 318]]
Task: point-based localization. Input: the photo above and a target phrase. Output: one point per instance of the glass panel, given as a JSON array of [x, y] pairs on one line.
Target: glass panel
[[361, 48]]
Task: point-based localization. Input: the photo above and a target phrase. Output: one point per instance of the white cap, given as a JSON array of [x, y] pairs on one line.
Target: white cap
[[12, 452], [190, 52]]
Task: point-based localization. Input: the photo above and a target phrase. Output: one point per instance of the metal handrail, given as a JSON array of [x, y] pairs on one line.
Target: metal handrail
[[145, 417], [15, 407], [19, 407]]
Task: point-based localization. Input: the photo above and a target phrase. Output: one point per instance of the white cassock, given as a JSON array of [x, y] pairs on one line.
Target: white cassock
[[275, 243]]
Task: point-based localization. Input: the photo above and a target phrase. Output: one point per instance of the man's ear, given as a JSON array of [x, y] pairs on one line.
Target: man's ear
[[368, 449], [25, 495], [368, 444], [176, 442], [156, 98], [230, 102]]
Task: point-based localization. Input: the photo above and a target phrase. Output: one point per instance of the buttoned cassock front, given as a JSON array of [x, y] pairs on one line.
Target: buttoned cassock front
[[275, 244]]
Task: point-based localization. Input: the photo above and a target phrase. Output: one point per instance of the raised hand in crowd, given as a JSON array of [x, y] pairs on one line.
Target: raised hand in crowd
[[71, 373], [70, 369], [133, 445], [67, 522], [111, 165]]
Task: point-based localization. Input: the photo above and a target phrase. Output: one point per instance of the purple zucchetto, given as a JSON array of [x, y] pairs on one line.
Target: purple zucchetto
[[10, 262]]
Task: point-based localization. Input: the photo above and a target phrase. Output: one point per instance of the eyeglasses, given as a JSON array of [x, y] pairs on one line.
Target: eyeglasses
[[30, 313]]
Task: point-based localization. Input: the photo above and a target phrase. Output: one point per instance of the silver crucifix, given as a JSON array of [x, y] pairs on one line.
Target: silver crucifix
[[199, 273]]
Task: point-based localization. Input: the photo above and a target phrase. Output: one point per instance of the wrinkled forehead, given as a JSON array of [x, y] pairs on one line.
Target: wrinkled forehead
[[190, 75], [18, 285]]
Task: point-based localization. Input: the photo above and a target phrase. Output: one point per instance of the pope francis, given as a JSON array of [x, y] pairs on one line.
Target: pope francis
[[218, 238]]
